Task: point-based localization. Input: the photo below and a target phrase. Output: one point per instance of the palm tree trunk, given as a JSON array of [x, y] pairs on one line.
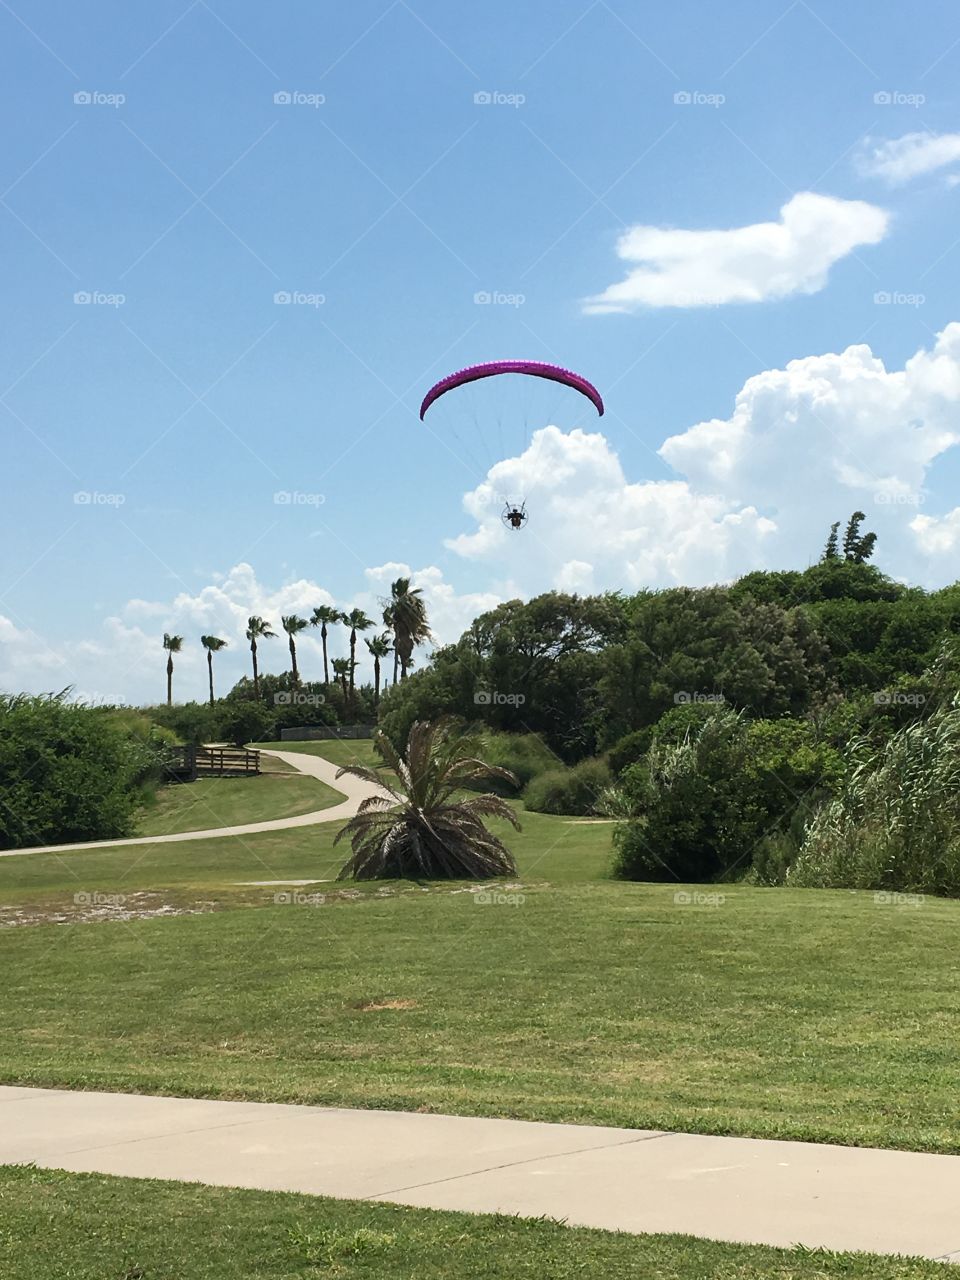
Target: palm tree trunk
[[404, 651], [256, 673], [376, 682], [170, 681], [326, 669], [396, 659], [353, 657], [293, 664], [210, 670]]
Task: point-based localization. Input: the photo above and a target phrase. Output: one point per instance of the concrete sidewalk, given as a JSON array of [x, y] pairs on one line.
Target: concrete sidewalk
[[735, 1189], [353, 790]]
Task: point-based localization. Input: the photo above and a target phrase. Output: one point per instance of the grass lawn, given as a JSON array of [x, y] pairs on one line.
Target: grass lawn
[[223, 802], [89, 1227], [777, 1013], [337, 750], [548, 848]]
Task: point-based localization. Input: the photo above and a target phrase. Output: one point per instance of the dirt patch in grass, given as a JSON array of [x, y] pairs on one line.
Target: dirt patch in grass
[[373, 1006], [92, 907], [95, 908]]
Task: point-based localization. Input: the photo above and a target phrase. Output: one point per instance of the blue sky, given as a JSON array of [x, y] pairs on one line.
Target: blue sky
[[386, 188]]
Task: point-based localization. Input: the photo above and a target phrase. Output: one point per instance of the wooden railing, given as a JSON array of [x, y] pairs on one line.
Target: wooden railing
[[187, 763]]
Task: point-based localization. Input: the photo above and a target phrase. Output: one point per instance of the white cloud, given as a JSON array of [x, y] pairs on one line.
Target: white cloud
[[25, 657], [804, 446], [590, 527], [938, 535], [124, 660], [679, 268], [898, 160]]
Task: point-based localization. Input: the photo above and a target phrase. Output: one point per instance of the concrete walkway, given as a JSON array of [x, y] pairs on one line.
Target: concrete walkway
[[735, 1189], [352, 789]]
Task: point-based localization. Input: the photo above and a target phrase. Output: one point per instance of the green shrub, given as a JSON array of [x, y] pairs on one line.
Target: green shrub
[[575, 792], [525, 755], [243, 722], [68, 772], [629, 749], [191, 722], [703, 806]]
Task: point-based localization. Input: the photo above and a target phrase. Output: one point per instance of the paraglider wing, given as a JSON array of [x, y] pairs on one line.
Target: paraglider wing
[[533, 368]]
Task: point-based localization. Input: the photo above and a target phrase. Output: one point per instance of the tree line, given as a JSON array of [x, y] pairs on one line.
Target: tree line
[[404, 616]]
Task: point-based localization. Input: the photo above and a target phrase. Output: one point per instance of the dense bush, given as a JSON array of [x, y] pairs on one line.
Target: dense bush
[[576, 791], [243, 722], [309, 703], [69, 772], [684, 645], [525, 755], [191, 722], [629, 749], [587, 673], [896, 824], [703, 804]]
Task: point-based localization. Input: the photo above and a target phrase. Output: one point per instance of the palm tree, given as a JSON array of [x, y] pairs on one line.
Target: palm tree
[[341, 669], [293, 625], [323, 614], [388, 623], [406, 614], [257, 629], [420, 828], [172, 644], [212, 644], [356, 620], [379, 647]]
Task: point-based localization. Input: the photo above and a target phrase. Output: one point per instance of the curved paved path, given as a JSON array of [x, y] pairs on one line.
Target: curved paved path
[[352, 789]]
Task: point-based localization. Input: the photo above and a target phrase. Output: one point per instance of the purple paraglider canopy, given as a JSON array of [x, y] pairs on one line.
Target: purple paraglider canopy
[[532, 368]]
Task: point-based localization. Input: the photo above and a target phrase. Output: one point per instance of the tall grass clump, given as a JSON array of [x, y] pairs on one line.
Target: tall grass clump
[[896, 823]]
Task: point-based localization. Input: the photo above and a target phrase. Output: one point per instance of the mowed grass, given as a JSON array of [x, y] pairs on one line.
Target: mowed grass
[[548, 849], [224, 802], [775, 1013], [91, 1227], [338, 751], [768, 1012]]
